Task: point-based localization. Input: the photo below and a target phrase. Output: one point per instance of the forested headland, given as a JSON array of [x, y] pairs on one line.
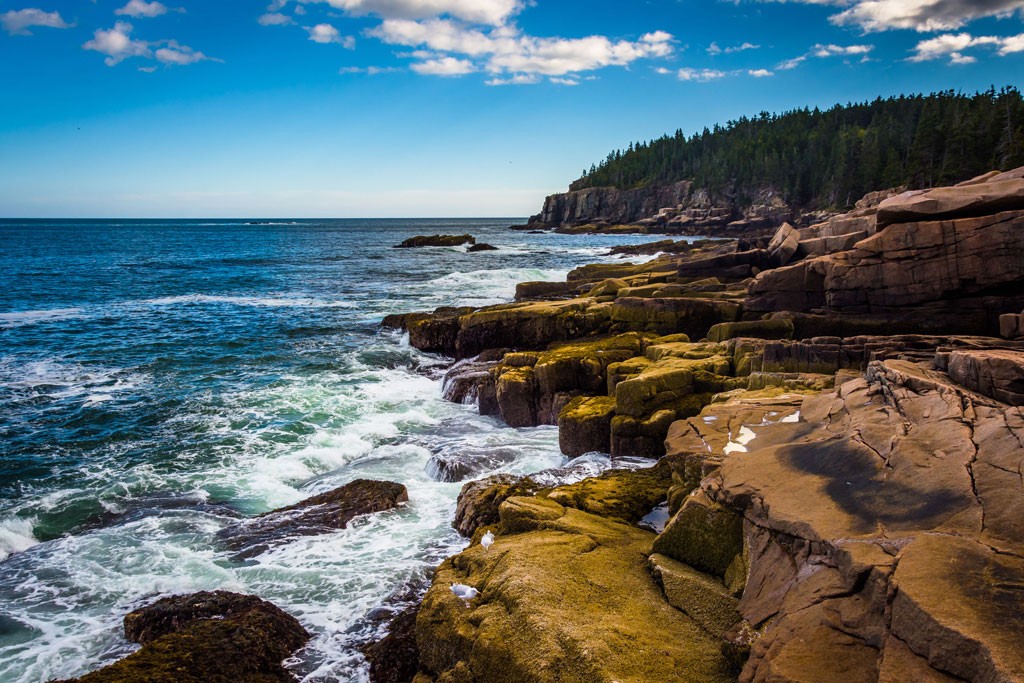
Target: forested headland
[[830, 158]]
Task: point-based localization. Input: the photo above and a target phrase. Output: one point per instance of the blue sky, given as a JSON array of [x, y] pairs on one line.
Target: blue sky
[[360, 108]]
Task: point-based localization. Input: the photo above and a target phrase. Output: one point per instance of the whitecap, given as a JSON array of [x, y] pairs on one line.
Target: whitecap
[[16, 535], [20, 318], [255, 301]]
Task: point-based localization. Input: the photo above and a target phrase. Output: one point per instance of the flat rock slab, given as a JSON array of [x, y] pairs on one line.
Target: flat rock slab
[[997, 373]]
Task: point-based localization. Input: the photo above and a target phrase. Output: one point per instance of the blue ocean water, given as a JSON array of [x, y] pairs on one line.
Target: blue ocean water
[[160, 379]]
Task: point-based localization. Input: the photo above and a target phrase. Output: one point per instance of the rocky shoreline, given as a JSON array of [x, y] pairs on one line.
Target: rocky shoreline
[[830, 419], [837, 413]]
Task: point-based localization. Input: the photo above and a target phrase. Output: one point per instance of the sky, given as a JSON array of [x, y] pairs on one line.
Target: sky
[[428, 108]]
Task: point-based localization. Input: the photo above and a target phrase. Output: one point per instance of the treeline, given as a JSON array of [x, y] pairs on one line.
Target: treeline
[[831, 158]]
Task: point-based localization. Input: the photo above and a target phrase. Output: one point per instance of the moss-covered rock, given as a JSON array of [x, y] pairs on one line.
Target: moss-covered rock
[[693, 317], [609, 287], [702, 597], [628, 495], [585, 425], [206, 638], [479, 501], [778, 328], [704, 535], [565, 596], [529, 326]]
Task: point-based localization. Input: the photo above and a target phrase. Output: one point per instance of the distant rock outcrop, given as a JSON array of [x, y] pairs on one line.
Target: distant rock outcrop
[[436, 241]]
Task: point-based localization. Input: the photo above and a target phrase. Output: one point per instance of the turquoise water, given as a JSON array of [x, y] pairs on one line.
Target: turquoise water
[[160, 379]]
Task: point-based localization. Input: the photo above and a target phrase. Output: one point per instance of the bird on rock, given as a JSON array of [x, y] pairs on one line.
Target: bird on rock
[[488, 540], [464, 592]]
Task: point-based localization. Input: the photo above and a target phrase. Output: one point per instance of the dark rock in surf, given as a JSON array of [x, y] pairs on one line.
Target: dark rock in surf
[[482, 246], [394, 658], [317, 515], [206, 638], [436, 241]]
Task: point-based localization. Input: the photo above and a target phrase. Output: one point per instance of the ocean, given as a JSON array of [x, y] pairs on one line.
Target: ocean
[[161, 379]]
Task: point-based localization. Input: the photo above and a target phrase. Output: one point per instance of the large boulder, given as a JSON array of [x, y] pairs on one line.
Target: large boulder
[[216, 637], [320, 514]]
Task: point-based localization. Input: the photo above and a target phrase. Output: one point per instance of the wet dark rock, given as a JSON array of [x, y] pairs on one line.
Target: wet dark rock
[[479, 500], [317, 515], [482, 246], [394, 658], [436, 241], [216, 637]]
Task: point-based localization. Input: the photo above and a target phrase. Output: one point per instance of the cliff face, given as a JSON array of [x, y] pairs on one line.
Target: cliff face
[[614, 206], [680, 208]]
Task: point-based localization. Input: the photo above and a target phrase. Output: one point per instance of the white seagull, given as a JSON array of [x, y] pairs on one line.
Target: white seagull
[[464, 592], [488, 540]]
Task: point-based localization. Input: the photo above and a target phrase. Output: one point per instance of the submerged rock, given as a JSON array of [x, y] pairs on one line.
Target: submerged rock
[[436, 241], [216, 637], [317, 515]]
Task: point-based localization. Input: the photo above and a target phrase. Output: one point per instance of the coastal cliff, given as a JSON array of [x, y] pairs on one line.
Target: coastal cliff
[[836, 419], [679, 208]]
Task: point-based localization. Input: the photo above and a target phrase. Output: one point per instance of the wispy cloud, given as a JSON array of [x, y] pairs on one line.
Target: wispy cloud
[[18, 22], [919, 15], [952, 46], [821, 51], [714, 48]]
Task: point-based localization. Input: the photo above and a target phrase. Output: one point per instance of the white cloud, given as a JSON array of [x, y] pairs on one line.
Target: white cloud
[[18, 23], [564, 81], [824, 51], [326, 34], [444, 66], [141, 8], [275, 19], [117, 44], [917, 15], [505, 50], [490, 12], [953, 45], [700, 75], [760, 73]]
